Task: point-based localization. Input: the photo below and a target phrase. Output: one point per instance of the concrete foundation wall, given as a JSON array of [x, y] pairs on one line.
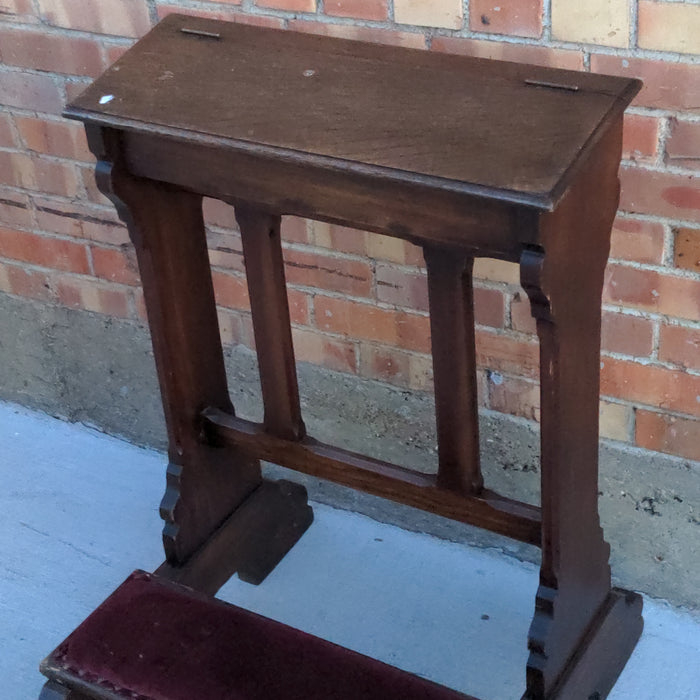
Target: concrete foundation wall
[[97, 370]]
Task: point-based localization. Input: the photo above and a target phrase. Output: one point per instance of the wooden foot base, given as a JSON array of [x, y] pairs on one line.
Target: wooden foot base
[[604, 650], [251, 542]]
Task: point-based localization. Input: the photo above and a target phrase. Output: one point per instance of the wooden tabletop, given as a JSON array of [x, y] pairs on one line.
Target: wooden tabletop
[[497, 129]]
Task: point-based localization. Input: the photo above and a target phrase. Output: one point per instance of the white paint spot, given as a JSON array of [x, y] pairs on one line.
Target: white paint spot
[[329, 313], [654, 293], [105, 99], [496, 378], [496, 9], [625, 63], [309, 73]]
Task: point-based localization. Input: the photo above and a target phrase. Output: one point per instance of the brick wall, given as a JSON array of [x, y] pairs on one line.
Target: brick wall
[[359, 302]]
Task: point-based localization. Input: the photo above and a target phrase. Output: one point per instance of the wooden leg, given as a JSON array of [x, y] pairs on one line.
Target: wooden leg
[[454, 368], [204, 483], [582, 629]]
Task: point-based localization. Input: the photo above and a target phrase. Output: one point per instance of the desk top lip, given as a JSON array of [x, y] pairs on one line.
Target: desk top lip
[[545, 200]]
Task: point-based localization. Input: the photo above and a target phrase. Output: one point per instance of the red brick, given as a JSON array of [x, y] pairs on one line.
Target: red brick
[[683, 146], [87, 177], [37, 173], [667, 84], [63, 139], [381, 247], [503, 353], [384, 364], [651, 385], [14, 209], [489, 307], [54, 177], [333, 353], [91, 295], [637, 240], [50, 52], [359, 9], [339, 238], [41, 250], [407, 289], [7, 139], [653, 291], [625, 334], [670, 434], [114, 52], [502, 51], [687, 249], [669, 26], [294, 229], [357, 320], [80, 220], [290, 5], [521, 314], [326, 272], [236, 328], [660, 193], [298, 307], [231, 291], [515, 17], [360, 33], [116, 264], [225, 250], [14, 9], [118, 17], [640, 137], [229, 16], [16, 169], [30, 91], [680, 345], [218, 213], [74, 88], [515, 396], [33, 284]]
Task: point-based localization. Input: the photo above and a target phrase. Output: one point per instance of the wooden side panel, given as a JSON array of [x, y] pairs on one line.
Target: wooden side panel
[[166, 226], [564, 279], [454, 368]]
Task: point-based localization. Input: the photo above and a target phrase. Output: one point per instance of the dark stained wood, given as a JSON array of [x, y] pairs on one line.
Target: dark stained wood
[[464, 157], [564, 280], [454, 368], [167, 229], [407, 210], [251, 542], [264, 265], [434, 116], [489, 510], [608, 643], [56, 691]]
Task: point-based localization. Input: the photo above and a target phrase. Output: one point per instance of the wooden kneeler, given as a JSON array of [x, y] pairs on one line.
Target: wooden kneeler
[[463, 157], [155, 639]]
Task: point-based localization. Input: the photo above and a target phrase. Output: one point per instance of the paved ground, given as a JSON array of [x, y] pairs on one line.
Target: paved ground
[[78, 512]]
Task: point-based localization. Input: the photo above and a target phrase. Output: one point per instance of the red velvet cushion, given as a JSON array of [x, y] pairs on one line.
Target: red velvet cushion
[[166, 642]]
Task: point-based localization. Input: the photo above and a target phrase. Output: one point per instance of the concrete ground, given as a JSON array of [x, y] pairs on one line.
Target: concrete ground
[[78, 512]]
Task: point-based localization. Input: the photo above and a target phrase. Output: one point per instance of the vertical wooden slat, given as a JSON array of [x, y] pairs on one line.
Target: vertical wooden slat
[[454, 368], [262, 250]]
